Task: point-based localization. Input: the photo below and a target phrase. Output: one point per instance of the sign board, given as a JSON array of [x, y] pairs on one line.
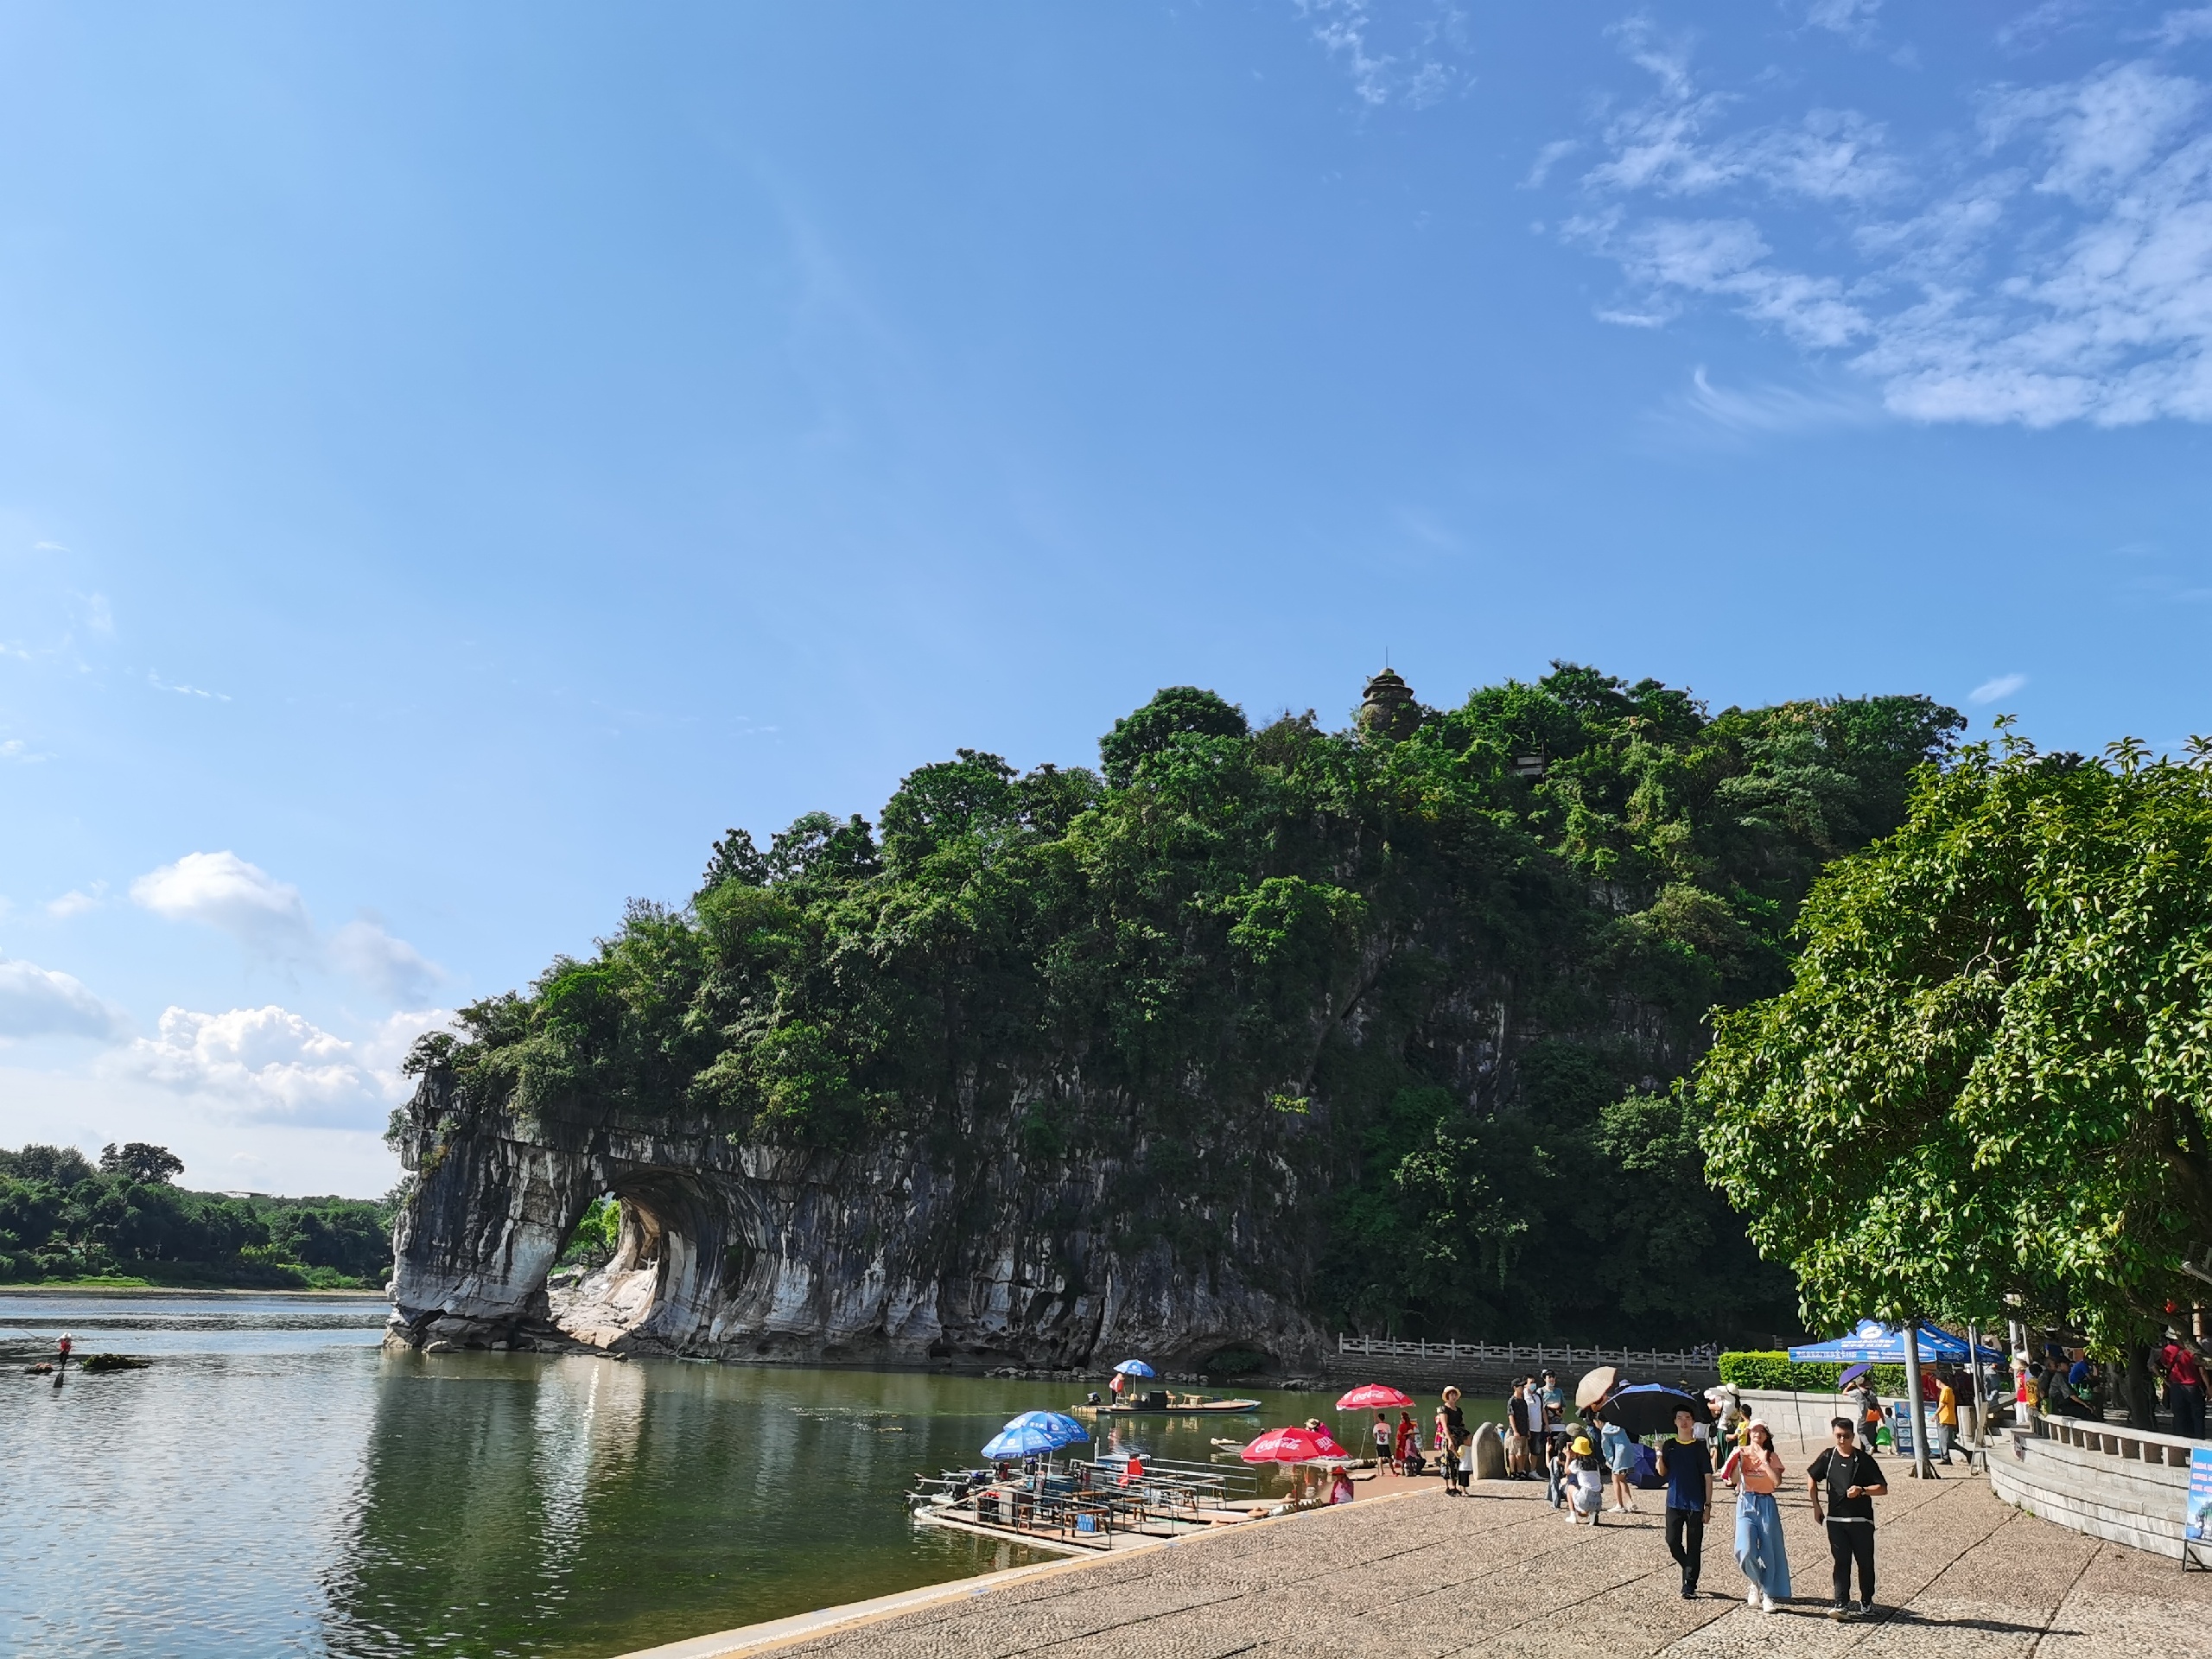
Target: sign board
[[2196, 1518]]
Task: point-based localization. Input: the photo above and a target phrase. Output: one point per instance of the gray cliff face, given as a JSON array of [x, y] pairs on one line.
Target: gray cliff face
[[900, 1253]]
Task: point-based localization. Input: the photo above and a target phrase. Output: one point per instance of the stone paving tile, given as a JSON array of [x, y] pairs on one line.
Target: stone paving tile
[[1501, 1576]]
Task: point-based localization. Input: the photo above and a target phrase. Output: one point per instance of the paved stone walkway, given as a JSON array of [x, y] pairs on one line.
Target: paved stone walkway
[[1500, 1573]]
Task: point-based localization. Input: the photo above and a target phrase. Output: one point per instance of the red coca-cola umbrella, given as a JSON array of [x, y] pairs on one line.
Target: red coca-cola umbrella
[[1374, 1397], [1292, 1444]]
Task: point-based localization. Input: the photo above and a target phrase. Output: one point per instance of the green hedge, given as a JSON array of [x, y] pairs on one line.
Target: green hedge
[[1775, 1370]]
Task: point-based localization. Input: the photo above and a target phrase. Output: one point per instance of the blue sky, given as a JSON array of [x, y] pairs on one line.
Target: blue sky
[[454, 462]]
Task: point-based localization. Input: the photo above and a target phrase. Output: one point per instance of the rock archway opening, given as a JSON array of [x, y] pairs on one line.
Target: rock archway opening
[[673, 1258]]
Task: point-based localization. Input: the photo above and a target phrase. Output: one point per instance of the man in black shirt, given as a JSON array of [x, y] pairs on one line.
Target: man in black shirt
[[1687, 1462], [1845, 1482]]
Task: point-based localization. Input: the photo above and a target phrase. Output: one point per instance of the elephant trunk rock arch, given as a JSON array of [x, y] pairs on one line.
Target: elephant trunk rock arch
[[897, 1253]]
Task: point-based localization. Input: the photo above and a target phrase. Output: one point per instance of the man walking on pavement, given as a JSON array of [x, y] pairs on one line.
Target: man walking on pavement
[[1687, 1462], [1849, 1481]]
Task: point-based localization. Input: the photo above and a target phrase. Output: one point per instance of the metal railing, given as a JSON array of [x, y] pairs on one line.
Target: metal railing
[[1540, 1355]]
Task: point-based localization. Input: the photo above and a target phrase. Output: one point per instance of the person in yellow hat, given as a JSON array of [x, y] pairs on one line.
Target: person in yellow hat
[[1586, 1482]]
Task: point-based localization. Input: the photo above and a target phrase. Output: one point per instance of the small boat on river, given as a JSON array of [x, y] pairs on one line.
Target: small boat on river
[[1165, 1402]]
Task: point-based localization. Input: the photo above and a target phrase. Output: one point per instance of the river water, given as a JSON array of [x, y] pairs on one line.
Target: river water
[[274, 1482]]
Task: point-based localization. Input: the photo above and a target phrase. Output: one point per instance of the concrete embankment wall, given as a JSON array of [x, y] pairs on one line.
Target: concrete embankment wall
[[2125, 1484]]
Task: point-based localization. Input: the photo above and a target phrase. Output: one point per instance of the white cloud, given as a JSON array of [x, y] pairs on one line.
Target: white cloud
[[37, 1001], [270, 918], [1990, 690], [391, 967], [1727, 257], [222, 891], [76, 903], [2063, 272], [269, 1064], [15, 749]]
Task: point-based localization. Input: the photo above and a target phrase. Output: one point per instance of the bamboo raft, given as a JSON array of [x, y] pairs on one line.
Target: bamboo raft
[[1092, 1508]]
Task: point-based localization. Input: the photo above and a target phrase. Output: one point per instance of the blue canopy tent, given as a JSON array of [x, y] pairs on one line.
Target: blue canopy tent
[[1885, 1343], [1035, 1432]]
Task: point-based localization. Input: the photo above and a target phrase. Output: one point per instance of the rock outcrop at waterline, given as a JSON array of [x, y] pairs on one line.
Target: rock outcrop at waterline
[[885, 1255]]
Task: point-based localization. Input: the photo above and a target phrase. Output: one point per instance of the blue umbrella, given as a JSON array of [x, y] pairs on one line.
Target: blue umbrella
[[1852, 1374], [1136, 1368], [1035, 1432]]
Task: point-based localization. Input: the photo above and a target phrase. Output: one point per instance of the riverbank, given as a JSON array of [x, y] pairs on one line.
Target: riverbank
[[126, 1288], [1422, 1574]]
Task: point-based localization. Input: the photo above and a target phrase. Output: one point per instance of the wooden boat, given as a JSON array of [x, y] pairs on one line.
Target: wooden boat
[[1160, 1402]]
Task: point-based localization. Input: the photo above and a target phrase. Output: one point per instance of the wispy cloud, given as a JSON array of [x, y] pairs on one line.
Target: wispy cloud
[[156, 682], [1396, 51], [2059, 270], [2179, 28], [391, 967], [1990, 690], [1853, 19], [1769, 408], [15, 749], [76, 902]]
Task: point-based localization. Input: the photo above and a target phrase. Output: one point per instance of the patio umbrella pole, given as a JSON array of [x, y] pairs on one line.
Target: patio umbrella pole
[[1922, 1468]]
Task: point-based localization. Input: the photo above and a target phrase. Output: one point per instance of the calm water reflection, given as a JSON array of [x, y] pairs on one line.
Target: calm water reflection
[[276, 1484]]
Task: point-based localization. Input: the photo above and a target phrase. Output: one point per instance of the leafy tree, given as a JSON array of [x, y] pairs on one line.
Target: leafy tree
[[63, 1167], [141, 1162], [1175, 711], [1991, 1076], [735, 859]]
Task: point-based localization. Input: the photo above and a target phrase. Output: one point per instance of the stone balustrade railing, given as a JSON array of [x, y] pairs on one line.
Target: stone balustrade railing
[[1539, 1356]]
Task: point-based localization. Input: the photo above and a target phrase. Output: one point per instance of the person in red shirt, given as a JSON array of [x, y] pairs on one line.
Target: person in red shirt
[[2185, 1368]]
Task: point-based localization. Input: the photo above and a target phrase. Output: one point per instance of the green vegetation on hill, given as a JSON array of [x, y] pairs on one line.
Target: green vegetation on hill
[[62, 1218], [1389, 1014]]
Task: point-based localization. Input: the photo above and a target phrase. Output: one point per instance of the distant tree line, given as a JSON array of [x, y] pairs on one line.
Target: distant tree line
[[62, 1217]]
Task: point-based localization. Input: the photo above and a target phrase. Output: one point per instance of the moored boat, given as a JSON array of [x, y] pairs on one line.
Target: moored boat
[[1165, 1402]]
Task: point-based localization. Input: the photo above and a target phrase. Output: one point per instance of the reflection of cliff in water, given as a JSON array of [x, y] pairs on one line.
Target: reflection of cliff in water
[[580, 1505]]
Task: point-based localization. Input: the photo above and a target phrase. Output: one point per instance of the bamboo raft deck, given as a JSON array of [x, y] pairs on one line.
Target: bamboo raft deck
[[1084, 1509]]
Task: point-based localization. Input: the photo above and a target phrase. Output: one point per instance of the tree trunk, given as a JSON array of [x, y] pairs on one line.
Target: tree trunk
[[1922, 1466], [2137, 1389]]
